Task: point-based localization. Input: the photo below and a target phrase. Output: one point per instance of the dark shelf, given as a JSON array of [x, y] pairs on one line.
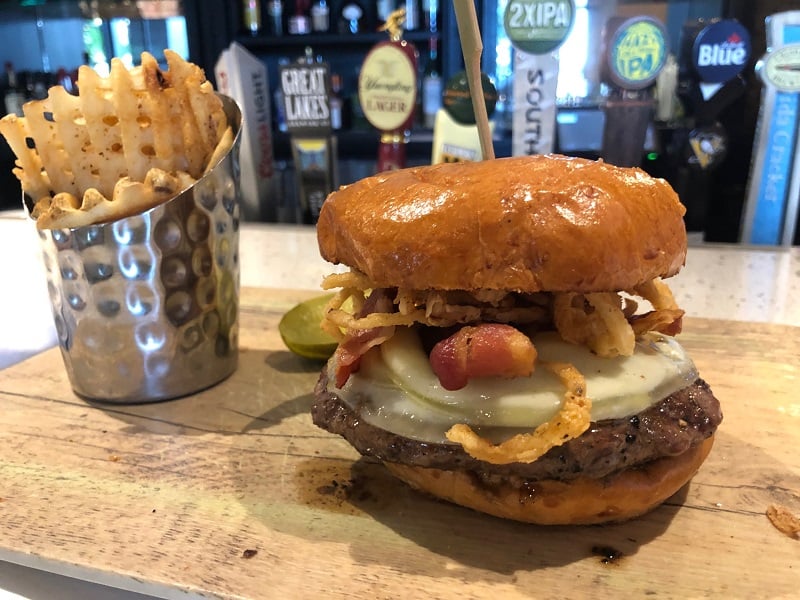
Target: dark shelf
[[359, 143], [363, 144], [267, 41]]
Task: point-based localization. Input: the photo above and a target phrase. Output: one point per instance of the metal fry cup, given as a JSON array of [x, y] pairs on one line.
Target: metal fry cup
[[147, 307]]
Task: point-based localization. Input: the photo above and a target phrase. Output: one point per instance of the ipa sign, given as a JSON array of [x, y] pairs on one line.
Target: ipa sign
[[637, 52], [538, 26]]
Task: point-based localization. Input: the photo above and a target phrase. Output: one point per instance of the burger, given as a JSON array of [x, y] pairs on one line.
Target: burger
[[506, 340]]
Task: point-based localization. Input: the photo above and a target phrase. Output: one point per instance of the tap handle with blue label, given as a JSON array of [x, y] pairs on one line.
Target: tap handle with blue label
[[713, 54], [771, 207]]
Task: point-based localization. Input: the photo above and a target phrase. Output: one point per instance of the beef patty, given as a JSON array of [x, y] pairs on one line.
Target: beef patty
[[667, 428]]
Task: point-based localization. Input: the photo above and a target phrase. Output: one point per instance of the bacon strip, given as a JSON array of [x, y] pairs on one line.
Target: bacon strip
[[488, 349], [347, 357]]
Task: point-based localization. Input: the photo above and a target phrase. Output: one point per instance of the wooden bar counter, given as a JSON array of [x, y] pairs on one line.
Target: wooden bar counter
[[234, 493]]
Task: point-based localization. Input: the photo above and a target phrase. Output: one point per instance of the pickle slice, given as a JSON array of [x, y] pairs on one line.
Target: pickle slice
[[301, 332]]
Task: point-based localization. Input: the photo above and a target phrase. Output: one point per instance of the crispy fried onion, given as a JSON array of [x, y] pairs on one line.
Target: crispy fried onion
[[338, 322], [606, 322], [666, 316], [569, 422], [439, 308], [595, 320], [350, 279]]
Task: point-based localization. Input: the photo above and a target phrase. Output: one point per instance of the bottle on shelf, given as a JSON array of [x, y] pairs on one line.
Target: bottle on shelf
[[280, 114], [14, 96], [412, 15], [300, 22], [251, 16], [320, 16], [430, 12], [335, 101], [352, 16], [275, 16], [431, 85]]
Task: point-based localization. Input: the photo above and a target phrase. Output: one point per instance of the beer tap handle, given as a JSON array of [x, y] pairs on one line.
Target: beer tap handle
[[709, 110]]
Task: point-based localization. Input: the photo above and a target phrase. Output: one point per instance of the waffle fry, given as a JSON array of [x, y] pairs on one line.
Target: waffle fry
[[128, 198], [103, 129], [125, 144]]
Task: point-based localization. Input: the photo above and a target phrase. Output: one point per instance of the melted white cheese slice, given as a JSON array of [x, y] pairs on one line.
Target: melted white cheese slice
[[395, 388]]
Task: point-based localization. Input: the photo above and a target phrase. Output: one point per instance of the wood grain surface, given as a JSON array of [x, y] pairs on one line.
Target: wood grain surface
[[234, 493]]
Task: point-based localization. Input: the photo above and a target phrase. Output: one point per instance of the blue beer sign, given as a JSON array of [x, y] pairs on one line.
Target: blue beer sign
[[721, 51]]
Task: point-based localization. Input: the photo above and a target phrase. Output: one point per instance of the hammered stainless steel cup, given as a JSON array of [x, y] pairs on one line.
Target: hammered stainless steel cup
[[146, 307]]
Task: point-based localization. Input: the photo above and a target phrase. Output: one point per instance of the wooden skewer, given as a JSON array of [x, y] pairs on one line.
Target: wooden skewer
[[472, 47]]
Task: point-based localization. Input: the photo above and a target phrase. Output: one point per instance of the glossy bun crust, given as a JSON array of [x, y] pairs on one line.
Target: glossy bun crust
[[539, 223], [616, 497]]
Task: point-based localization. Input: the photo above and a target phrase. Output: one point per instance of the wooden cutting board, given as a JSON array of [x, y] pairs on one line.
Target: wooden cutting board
[[234, 492]]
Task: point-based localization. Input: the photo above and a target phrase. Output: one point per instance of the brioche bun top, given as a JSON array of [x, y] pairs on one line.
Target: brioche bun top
[[528, 224]]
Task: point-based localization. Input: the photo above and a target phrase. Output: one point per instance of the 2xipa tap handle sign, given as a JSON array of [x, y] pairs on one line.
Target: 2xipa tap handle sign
[[536, 28]]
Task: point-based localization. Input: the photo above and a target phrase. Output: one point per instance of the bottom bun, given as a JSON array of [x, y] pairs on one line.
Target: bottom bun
[[583, 501]]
